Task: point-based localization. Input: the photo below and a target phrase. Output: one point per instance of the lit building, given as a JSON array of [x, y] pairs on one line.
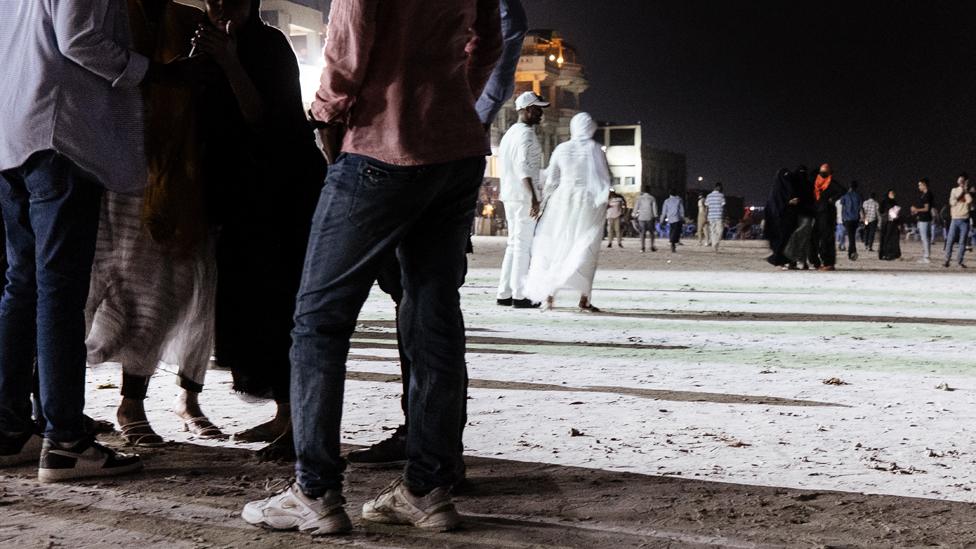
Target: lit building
[[635, 166], [550, 67]]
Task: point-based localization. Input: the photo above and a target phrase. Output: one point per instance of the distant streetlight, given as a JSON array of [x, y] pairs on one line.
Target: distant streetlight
[[552, 57], [700, 179]]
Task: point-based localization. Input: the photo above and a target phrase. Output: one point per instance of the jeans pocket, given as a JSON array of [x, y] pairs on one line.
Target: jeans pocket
[[385, 196], [50, 176]]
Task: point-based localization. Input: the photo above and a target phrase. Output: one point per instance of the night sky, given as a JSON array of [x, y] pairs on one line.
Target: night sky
[[884, 90]]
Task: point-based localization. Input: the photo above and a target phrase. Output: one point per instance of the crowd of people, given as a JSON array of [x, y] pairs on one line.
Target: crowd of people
[[808, 219], [164, 199]]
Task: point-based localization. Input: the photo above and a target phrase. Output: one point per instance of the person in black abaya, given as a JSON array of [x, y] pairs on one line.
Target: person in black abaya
[[800, 242], [890, 214], [826, 192], [264, 173], [781, 214]]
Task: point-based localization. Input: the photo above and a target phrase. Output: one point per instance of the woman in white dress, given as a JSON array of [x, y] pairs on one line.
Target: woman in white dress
[[574, 206]]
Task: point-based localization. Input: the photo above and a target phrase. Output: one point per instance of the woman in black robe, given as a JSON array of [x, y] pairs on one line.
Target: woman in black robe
[[890, 214], [264, 174], [781, 216]]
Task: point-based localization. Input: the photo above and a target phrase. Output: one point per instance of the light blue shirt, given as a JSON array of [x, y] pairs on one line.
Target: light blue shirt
[[673, 210], [69, 83], [502, 82]]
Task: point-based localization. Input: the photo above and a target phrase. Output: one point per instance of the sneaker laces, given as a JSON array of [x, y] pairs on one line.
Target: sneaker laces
[[275, 486]]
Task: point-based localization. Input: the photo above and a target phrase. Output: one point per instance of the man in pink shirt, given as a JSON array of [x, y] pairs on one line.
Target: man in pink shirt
[[398, 98]]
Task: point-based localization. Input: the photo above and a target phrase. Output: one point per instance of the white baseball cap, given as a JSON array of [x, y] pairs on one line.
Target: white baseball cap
[[529, 99]]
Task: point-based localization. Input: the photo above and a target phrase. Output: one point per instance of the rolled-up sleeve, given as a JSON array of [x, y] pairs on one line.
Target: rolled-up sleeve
[[82, 36], [348, 44], [501, 84]]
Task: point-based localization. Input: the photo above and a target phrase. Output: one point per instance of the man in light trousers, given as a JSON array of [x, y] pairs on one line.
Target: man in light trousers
[[520, 154]]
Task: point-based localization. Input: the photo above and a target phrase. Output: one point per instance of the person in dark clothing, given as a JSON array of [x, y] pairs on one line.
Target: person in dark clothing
[[800, 242], [826, 192], [263, 173], [851, 204], [922, 210], [782, 214], [889, 248]]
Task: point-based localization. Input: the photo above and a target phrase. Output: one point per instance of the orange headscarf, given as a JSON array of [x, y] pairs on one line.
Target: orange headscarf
[[821, 185]]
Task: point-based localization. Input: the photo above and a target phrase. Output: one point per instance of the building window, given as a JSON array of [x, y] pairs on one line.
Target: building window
[[630, 181], [623, 137], [616, 181]]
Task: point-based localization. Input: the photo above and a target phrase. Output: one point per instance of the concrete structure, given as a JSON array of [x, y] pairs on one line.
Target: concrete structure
[[634, 165]]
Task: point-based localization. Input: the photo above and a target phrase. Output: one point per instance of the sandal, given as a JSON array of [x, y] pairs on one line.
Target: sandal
[[202, 428], [140, 433], [261, 433]]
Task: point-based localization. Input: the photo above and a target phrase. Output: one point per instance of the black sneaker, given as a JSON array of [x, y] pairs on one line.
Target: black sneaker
[[388, 453], [19, 449], [86, 458], [963, 265], [507, 302], [946, 264], [526, 304]]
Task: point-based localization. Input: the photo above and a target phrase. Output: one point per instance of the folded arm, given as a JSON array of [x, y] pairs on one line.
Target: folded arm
[[82, 36]]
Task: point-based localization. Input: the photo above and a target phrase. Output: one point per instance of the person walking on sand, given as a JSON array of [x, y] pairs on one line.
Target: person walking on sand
[[673, 213], [701, 228], [567, 244], [922, 210], [826, 192], [715, 204], [850, 211], [520, 154], [646, 214], [615, 211], [960, 204]]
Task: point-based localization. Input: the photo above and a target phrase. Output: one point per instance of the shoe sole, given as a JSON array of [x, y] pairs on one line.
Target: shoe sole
[[378, 465], [61, 475], [441, 522], [337, 524]]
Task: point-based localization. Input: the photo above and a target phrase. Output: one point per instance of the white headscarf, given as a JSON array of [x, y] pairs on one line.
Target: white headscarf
[[582, 128]]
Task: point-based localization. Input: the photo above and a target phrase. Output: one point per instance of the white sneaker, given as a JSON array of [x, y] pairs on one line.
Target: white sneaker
[[20, 449], [924, 260], [87, 458], [291, 509], [396, 505]]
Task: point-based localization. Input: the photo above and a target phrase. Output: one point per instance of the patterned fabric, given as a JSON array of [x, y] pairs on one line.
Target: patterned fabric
[[715, 202], [870, 209], [145, 305]]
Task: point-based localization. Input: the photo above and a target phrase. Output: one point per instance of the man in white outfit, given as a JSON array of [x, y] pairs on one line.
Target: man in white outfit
[[520, 155]]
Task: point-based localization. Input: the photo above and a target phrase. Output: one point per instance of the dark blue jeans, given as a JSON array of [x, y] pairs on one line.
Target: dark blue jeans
[[367, 210], [51, 214]]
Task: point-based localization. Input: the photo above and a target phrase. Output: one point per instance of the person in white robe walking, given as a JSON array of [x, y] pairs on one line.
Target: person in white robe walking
[[567, 241]]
